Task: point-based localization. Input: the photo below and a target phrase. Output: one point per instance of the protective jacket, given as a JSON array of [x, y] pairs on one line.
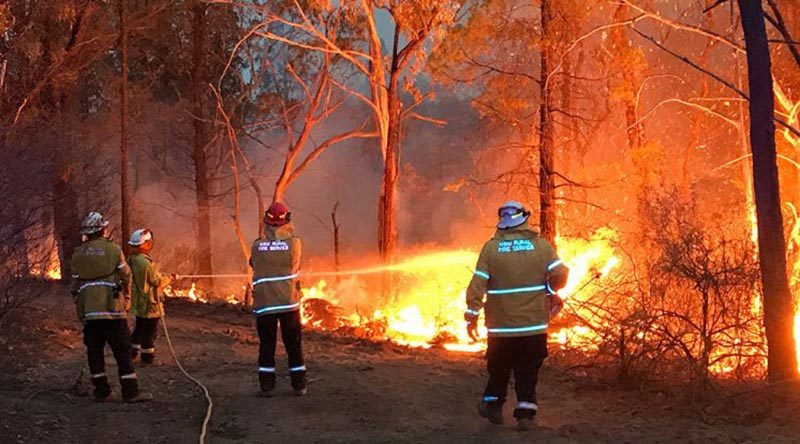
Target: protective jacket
[[101, 281], [145, 299], [275, 259], [516, 271]]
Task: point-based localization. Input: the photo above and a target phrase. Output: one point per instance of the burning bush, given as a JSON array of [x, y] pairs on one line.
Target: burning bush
[[688, 308]]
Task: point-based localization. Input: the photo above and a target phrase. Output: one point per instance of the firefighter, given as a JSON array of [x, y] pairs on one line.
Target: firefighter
[[515, 282], [101, 283], [275, 259], [146, 302]]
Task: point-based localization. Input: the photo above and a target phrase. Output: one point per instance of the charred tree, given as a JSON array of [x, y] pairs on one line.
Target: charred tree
[[125, 191], [547, 180], [778, 304], [199, 156]]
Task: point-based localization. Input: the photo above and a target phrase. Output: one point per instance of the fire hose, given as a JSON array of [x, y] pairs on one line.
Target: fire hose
[[206, 393], [207, 418]]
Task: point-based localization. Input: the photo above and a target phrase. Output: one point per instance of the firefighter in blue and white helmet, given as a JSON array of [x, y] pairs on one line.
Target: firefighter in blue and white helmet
[[515, 281], [101, 287]]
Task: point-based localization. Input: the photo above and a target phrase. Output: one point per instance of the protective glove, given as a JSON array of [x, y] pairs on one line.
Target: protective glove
[[472, 329]]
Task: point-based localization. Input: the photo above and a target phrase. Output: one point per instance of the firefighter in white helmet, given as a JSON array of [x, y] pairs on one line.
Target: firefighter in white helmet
[[101, 283], [515, 283], [147, 303]]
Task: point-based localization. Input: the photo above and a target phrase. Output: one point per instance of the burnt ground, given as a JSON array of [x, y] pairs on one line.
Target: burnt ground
[[361, 393]]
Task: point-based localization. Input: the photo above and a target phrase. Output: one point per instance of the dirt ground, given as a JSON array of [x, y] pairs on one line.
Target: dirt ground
[[360, 393]]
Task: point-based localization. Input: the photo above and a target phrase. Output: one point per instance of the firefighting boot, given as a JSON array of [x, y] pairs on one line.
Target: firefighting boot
[[148, 358], [267, 382], [492, 409], [135, 351], [525, 413], [131, 392], [102, 391], [299, 382]]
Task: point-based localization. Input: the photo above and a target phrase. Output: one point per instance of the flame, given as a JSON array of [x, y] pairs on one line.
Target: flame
[[797, 336], [590, 261], [193, 293], [428, 310], [51, 270]]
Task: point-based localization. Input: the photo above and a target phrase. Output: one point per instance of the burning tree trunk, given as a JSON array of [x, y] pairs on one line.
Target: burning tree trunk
[[547, 181], [630, 84], [778, 306], [201, 181], [125, 191]]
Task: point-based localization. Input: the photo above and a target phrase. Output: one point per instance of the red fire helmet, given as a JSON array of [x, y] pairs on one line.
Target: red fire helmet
[[277, 214]]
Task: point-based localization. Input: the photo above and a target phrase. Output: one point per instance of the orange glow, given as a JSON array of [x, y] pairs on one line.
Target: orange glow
[[51, 271]]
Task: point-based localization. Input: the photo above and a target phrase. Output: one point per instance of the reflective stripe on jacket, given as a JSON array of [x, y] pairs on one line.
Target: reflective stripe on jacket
[[276, 263], [147, 281], [100, 280], [512, 281]]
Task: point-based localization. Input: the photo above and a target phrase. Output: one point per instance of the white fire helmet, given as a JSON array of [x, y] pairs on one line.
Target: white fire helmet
[[93, 223], [140, 237]]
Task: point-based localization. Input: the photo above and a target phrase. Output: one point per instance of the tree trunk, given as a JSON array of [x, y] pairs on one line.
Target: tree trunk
[[630, 89], [125, 191], [262, 208], [199, 156], [547, 182], [336, 226], [388, 201], [778, 304], [66, 220]]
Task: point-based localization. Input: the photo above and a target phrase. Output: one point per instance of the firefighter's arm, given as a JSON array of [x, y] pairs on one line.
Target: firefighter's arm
[[297, 249], [476, 291], [155, 278], [124, 275], [557, 272], [252, 252], [74, 282]]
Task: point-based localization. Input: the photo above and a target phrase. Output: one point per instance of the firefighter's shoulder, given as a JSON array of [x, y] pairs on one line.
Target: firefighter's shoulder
[[489, 245]]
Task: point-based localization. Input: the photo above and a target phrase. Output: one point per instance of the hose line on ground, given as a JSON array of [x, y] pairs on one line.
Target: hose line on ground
[[204, 427]]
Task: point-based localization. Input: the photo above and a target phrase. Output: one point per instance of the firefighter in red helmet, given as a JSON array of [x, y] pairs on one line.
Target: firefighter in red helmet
[[275, 259]]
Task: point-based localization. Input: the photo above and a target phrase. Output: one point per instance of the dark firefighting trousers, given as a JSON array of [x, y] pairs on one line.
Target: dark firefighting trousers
[[144, 339], [524, 356], [291, 326], [115, 333]]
